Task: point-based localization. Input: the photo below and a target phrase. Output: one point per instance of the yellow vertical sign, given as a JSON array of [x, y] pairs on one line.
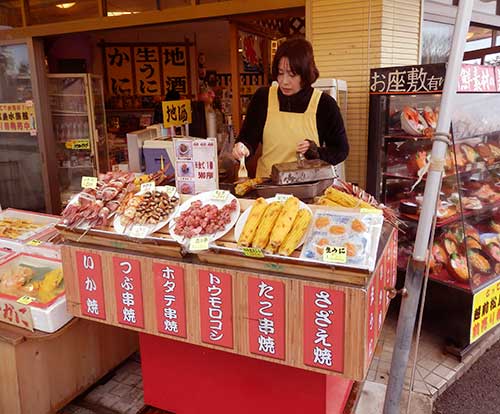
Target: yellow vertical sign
[[176, 113], [119, 70], [485, 311]]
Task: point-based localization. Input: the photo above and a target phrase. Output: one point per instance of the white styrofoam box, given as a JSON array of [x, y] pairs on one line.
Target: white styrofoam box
[[47, 317], [46, 221], [52, 318], [135, 140]]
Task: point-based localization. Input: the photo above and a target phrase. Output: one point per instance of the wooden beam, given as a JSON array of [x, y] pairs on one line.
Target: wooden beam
[[170, 15], [25, 12], [45, 132], [102, 7], [478, 54], [234, 57]]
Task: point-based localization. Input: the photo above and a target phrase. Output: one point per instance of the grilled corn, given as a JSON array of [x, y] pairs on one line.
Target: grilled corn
[[299, 228], [253, 220], [266, 225], [342, 199], [285, 221]]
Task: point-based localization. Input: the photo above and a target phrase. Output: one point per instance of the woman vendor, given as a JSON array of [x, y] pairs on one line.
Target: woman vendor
[[292, 118]]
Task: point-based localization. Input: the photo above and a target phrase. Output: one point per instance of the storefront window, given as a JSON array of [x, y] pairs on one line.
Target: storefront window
[[21, 183], [121, 7], [492, 59], [478, 38], [485, 6], [436, 42], [10, 14], [50, 11]]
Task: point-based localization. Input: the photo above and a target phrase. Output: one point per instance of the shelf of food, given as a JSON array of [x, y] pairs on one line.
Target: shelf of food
[[68, 113]]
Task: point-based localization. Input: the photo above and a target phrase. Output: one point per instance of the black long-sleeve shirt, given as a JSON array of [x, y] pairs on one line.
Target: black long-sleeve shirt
[[334, 146]]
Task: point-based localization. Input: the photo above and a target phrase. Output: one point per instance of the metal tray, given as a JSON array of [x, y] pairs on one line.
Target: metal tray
[[303, 171]]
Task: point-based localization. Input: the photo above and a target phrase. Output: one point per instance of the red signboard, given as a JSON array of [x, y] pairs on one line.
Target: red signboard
[[324, 328], [216, 308], [170, 299], [128, 291], [477, 78], [370, 322], [266, 317], [90, 284]]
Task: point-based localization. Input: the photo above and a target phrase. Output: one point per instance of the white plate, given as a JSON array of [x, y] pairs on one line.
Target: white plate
[[206, 198], [151, 228], [244, 216]]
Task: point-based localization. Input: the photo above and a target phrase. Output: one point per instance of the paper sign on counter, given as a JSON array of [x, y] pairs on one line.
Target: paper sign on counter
[[333, 254], [198, 243], [145, 187], [89, 182]]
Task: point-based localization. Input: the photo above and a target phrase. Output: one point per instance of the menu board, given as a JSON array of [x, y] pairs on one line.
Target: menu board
[[196, 169]]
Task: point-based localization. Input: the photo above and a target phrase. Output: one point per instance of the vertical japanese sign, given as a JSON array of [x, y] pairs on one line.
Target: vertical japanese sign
[[170, 299], [497, 77], [119, 70], [370, 323], [147, 70], [128, 291], [477, 78], [324, 328], [18, 117], [174, 63], [266, 317], [15, 314], [196, 165], [216, 308], [176, 113], [485, 311], [90, 283]]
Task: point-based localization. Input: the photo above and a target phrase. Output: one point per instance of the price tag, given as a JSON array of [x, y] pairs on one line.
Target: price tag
[[370, 210], [34, 242], [333, 254], [253, 252], [78, 144], [220, 195], [148, 187], [198, 243], [25, 300], [89, 182], [139, 232], [282, 197], [170, 190]]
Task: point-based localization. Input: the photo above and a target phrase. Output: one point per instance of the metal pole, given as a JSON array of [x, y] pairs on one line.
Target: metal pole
[[416, 267]]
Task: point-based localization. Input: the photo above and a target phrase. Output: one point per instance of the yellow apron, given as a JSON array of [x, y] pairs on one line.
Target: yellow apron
[[284, 130]]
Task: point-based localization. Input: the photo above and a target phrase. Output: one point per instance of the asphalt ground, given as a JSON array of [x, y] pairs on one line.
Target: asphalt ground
[[477, 391]]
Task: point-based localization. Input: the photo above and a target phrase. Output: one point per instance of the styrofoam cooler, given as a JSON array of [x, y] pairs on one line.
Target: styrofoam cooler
[[47, 317], [153, 151]]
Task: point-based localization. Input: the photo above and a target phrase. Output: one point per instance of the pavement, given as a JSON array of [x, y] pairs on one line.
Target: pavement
[[121, 392]]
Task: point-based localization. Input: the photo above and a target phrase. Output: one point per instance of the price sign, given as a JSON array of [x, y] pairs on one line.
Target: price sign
[[198, 243], [34, 242], [370, 210], [139, 232], [25, 300], [148, 187], [89, 182], [220, 195], [78, 144], [282, 197], [333, 254], [170, 190], [253, 252]]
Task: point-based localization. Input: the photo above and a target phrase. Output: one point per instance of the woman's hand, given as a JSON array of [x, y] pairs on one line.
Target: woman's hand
[[240, 151], [303, 146]]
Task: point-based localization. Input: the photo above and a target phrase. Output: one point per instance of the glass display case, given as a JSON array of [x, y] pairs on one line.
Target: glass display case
[[79, 122], [465, 255]]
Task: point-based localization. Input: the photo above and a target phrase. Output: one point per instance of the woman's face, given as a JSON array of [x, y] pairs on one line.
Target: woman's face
[[288, 81]]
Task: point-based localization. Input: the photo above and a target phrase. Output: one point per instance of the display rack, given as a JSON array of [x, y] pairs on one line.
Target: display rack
[[465, 256]]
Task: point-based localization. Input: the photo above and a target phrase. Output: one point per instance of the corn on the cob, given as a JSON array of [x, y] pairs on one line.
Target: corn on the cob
[[284, 222], [299, 228], [253, 220], [346, 200], [266, 225], [270, 249], [241, 189]]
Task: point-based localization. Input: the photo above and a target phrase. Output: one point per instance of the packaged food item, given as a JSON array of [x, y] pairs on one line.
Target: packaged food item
[[357, 234]]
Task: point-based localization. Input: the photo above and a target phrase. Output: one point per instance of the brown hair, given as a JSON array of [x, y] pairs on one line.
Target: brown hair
[[300, 56]]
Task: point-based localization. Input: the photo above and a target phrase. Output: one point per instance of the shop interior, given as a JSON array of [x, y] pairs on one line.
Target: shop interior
[[136, 68]]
